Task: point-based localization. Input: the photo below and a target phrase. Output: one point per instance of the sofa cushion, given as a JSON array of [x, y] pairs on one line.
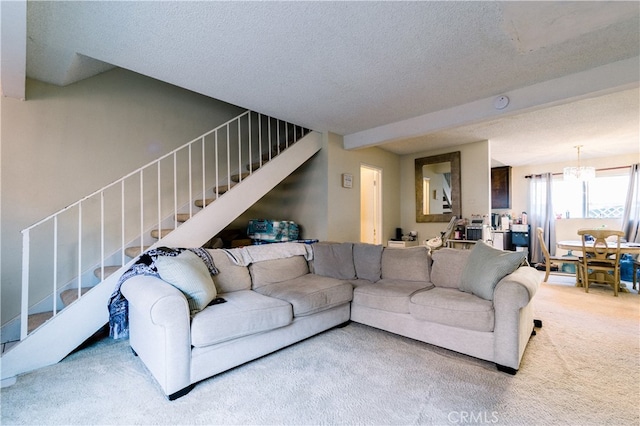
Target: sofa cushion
[[447, 267], [310, 293], [357, 283], [486, 266], [407, 264], [388, 295], [277, 270], [230, 277], [450, 306], [334, 260], [245, 312], [366, 259], [188, 273]]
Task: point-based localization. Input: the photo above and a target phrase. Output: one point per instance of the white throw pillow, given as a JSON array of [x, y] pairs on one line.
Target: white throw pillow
[[188, 273]]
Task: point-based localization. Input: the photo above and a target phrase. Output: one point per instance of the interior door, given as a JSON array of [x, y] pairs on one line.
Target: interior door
[[370, 204]]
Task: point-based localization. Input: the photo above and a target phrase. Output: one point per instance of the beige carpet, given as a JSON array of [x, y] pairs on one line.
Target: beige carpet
[[582, 368]]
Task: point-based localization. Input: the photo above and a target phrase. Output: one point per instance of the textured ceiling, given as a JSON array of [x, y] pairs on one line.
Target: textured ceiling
[[605, 126], [348, 67]]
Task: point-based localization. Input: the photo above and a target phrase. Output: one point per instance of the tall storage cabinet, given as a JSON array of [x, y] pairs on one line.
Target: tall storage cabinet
[[501, 187]]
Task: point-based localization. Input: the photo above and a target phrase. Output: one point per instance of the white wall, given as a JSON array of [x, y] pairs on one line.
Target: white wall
[[344, 203], [314, 197], [66, 142], [475, 185], [301, 197]]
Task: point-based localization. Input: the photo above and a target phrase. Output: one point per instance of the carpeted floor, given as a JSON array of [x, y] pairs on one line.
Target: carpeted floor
[[582, 368]]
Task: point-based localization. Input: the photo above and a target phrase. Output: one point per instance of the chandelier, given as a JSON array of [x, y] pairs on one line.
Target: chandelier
[[579, 173]]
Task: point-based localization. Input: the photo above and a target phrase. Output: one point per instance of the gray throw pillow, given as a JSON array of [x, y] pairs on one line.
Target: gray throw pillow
[[273, 271], [486, 266], [334, 260], [230, 277], [448, 266], [406, 264], [367, 259]]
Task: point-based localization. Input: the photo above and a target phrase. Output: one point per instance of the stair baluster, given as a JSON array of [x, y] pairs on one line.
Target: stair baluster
[[254, 128]]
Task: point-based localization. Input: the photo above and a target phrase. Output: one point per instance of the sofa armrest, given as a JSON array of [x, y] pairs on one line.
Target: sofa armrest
[[514, 315], [517, 289], [160, 330]]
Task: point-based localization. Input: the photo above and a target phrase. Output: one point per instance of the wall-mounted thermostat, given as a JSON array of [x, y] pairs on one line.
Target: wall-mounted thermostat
[[347, 180]]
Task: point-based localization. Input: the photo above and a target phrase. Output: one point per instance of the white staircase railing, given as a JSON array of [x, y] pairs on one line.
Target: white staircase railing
[[58, 336], [93, 233]]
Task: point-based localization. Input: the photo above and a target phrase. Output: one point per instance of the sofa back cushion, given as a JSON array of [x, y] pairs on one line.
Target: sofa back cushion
[[230, 277], [366, 259], [447, 267], [408, 264], [334, 260], [277, 270]]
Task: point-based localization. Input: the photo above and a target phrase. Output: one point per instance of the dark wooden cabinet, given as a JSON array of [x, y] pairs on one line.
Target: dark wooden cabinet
[[501, 187]]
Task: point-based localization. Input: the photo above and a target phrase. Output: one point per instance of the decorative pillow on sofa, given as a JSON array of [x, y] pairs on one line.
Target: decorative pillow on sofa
[[486, 266], [188, 273], [277, 270], [230, 277], [448, 266], [366, 259], [406, 264], [334, 260]]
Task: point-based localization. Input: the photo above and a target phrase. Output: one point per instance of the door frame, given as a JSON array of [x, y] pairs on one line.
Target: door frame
[[377, 194]]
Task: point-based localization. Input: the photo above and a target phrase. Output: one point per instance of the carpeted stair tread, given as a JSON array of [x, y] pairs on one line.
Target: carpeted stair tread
[[135, 251], [160, 233], [36, 320], [108, 270], [67, 297], [237, 176], [204, 203], [255, 166], [183, 217], [71, 295]]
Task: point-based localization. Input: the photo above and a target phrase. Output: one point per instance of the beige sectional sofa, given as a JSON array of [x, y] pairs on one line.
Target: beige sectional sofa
[[276, 297]]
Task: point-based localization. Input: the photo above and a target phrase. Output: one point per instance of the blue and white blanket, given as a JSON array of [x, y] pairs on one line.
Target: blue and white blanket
[[118, 305]]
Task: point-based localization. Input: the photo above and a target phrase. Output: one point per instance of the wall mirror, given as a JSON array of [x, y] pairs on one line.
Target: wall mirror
[[438, 187]]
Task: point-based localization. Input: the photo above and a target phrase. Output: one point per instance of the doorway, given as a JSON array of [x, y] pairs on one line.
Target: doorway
[[370, 204]]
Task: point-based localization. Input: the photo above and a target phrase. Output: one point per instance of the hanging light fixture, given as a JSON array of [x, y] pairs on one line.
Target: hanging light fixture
[[580, 173]]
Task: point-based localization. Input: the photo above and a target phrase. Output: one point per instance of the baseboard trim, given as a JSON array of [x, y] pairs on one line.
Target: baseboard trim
[[9, 381]]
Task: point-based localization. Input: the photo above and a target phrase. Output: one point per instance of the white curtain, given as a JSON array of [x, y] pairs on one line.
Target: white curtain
[[631, 216], [541, 215]]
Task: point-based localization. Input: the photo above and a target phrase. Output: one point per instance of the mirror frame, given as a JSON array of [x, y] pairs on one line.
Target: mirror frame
[[456, 208]]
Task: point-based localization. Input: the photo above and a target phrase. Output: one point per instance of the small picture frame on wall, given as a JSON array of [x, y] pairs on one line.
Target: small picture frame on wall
[[347, 180]]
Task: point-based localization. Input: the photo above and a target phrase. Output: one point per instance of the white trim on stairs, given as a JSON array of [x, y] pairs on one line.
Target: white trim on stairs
[[71, 327]]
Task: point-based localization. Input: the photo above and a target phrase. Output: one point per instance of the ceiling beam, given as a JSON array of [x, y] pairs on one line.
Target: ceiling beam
[[13, 48], [610, 78]]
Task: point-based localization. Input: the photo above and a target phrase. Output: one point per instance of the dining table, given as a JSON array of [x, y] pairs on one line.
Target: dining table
[[625, 248], [630, 248]]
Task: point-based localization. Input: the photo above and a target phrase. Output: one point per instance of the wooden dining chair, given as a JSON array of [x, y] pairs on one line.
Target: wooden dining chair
[[548, 259], [601, 256]]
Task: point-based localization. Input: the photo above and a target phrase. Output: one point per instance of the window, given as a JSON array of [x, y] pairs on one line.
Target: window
[[602, 197]]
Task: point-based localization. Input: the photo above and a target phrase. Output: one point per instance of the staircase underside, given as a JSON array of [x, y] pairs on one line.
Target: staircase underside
[[67, 330]]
